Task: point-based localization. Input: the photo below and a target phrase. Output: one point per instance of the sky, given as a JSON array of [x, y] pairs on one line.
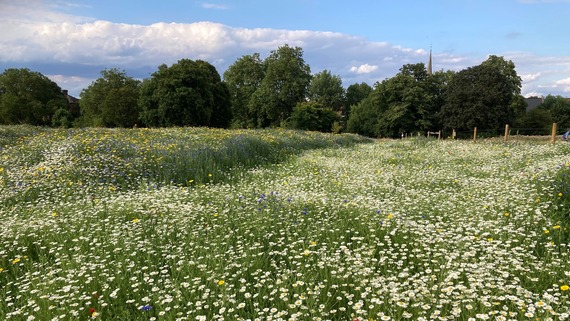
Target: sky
[[72, 41]]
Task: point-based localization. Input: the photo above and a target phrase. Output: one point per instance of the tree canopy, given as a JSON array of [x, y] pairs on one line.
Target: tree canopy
[[111, 100], [188, 93], [28, 97], [285, 84], [243, 78], [327, 90], [478, 96]]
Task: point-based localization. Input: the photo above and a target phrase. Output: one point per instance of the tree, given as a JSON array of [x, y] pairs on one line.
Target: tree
[[479, 96], [364, 116], [559, 109], [111, 100], [355, 93], [243, 78], [535, 122], [408, 101], [313, 116], [327, 90], [188, 93], [517, 106], [285, 84], [28, 97]]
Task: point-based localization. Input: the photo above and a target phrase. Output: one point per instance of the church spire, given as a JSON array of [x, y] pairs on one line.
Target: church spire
[[429, 63]]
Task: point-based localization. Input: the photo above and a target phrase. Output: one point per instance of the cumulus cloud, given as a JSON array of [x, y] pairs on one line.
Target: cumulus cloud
[[364, 69], [527, 78], [564, 84]]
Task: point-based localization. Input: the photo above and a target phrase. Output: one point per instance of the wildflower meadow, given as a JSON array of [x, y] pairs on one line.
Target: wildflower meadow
[[207, 224]]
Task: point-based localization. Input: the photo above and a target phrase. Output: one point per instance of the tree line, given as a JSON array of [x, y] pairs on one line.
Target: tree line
[[280, 91]]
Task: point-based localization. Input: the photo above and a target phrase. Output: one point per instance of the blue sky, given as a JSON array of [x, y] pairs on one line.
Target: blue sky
[[71, 41]]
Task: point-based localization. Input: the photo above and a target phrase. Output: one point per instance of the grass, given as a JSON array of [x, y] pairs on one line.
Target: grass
[[105, 224]]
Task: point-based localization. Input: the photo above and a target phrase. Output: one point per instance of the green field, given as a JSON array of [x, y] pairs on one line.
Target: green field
[[204, 224]]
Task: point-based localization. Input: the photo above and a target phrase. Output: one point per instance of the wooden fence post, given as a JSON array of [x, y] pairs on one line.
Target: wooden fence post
[[506, 133], [439, 135], [453, 134], [475, 135], [553, 138]]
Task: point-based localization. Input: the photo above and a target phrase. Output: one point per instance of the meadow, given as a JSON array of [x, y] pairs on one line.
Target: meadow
[[205, 224]]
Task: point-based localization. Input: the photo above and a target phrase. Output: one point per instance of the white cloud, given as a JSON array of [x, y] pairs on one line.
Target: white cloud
[[364, 69], [564, 84], [527, 78]]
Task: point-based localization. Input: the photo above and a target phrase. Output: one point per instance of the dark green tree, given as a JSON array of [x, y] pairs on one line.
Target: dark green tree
[[479, 96], [408, 102], [517, 106], [243, 78], [327, 90], [314, 116], [188, 93], [537, 121], [356, 93], [28, 97], [285, 84], [110, 101], [364, 116], [559, 109]]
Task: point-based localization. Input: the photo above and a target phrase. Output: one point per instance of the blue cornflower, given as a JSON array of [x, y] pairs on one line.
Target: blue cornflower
[[146, 307]]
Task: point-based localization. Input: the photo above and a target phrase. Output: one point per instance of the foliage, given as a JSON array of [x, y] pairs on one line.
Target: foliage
[[313, 116], [559, 109], [285, 84], [62, 118], [408, 102], [535, 122], [327, 90], [477, 97], [188, 93], [28, 97], [243, 78], [405, 103], [364, 116], [111, 100], [356, 93], [332, 234], [484, 96]]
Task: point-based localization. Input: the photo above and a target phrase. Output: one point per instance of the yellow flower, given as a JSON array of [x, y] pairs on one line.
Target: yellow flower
[[221, 282], [136, 220], [1, 169], [556, 227], [546, 231], [16, 260], [1, 270], [559, 194], [506, 214], [54, 214], [490, 239], [565, 288], [390, 216]]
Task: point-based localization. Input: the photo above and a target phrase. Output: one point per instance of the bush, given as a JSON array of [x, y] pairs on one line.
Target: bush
[[313, 116]]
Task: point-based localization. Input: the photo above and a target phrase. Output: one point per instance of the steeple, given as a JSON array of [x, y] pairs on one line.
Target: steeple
[[429, 63]]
